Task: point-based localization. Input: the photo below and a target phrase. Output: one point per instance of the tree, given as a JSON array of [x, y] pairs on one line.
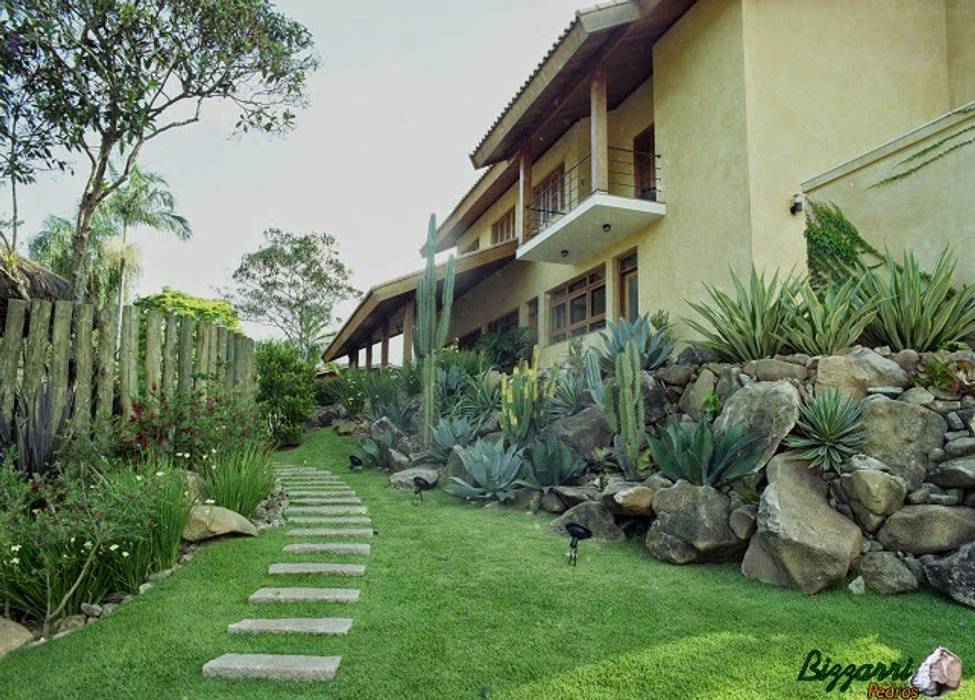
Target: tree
[[111, 75], [292, 283], [285, 390], [173, 301]]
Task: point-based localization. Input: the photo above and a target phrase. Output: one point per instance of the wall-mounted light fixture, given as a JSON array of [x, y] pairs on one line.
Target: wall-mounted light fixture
[[796, 205], [565, 253], [607, 227]]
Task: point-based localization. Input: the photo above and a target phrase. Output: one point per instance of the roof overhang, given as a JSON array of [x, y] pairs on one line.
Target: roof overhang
[[383, 304]]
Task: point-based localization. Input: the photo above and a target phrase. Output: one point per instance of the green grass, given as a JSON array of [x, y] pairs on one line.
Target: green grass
[[457, 598]]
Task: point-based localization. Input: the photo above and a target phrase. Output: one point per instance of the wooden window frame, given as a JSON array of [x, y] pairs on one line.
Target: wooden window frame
[[554, 183], [624, 272], [471, 247], [503, 228], [581, 286], [645, 165]]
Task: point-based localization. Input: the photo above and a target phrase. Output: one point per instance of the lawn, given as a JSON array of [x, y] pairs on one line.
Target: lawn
[[467, 602]]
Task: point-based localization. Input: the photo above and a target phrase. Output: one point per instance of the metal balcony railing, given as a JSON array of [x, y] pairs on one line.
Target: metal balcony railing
[[632, 174]]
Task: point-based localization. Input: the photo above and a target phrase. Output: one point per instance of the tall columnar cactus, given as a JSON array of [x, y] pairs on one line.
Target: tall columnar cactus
[[430, 333], [522, 401], [623, 405]]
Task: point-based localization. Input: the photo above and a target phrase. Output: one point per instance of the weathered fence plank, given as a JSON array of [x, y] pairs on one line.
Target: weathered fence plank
[[129, 360], [60, 353], [107, 333], [36, 350], [200, 356], [228, 369], [187, 329], [213, 357], [170, 356], [84, 315], [10, 353], [153, 360]]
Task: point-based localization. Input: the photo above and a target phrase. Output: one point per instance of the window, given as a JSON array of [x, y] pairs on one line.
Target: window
[[629, 286], [471, 247], [504, 228], [548, 199], [578, 306], [469, 340], [509, 320], [645, 166]]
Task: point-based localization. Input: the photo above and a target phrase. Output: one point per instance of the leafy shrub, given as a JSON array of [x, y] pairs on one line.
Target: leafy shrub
[[285, 390], [752, 324], [654, 347], [703, 457], [450, 433], [833, 318], [493, 472], [174, 301], [551, 463], [470, 362], [830, 431], [378, 452], [918, 310], [505, 348], [523, 401], [239, 478], [569, 395]]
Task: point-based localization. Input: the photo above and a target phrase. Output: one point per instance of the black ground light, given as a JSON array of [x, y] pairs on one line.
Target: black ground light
[[355, 464], [578, 533], [419, 486]]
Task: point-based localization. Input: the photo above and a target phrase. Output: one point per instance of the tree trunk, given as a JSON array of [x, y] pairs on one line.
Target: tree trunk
[[121, 281]]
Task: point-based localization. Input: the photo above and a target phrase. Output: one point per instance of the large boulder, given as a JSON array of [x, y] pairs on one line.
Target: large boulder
[[800, 541], [574, 495], [692, 400], [584, 431], [654, 397], [954, 473], [692, 525], [884, 572], [12, 636], [877, 491], [772, 370], [326, 415], [954, 575], [900, 435], [769, 409], [928, 529], [852, 374], [404, 479], [628, 498], [207, 522], [593, 515]]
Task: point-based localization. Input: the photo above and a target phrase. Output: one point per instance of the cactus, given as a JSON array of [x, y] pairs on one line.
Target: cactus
[[523, 397], [623, 405], [430, 333]]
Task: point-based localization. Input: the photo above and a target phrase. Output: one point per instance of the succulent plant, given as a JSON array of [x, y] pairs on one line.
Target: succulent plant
[[493, 472]]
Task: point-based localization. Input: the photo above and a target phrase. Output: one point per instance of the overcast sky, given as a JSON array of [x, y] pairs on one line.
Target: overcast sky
[[405, 91]]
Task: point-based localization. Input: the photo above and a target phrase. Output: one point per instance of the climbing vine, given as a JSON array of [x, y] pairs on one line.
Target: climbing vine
[[834, 247]]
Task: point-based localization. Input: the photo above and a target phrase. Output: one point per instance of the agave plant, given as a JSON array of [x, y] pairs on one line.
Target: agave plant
[[594, 380], [379, 451], [918, 310], [830, 431], [450, 433], [829, 320], [705, 457], [483, 395], [35, 431], [654, 346], [552, 463], [493, 472], [752, 324], [569, 394]]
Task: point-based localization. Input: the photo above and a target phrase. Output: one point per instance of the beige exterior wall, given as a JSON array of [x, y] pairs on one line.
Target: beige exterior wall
[[926, 211], [960, 27]]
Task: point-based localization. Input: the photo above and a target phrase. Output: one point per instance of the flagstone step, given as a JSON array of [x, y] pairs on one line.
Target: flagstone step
[[321, 493], [293, 625], [314, 485], [330, 501], [317, 480], [298, 594], [329, 532], [279, 667], [324, 569], [335, 520], [328, 547], [326, 510]]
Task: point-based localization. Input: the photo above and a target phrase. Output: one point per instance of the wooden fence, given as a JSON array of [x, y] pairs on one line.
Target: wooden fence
[[74, 348]]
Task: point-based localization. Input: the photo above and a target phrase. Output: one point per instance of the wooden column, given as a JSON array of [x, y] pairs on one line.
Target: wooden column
[[384, 345], [354, 358], [599, 132], [408, 331], [522, 215], [369, 354]]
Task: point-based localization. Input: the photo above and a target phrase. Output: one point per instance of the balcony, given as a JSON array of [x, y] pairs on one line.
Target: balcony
[[568, 221]]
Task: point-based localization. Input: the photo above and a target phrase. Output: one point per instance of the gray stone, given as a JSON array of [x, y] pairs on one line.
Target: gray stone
[[71, 623], [337, 520], [593, 515], [891, 392], [936, 455], [398, 461], [91, 609], [884, 572], [692, 525], [692, 400], [693, 355], [852, 374], [729, 381], [770, 370], [328, 548], [12, 635], [327, 510], [878, 492], [404, 479], [907, 360], [768, 409], [206, 522], [329, 532], [953, 435], [868, 522], [278, 667], [743, 521], [574, 495], [857, 586], [900, 435], [928, 529], [862, 461], [322, 494], [329, 626], [636, 500], [326, 415], [305, 595], [584, 431], [944, 499], [675, 375], [330, 501], [325, 569], [954, 473], [654, 397], [947, 407], [800, 541], [917, 396], [954, 575], [955, 421], [384, 425], [552, 503]]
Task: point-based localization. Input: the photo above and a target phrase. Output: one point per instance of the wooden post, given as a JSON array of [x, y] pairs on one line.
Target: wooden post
[[129, 359], [38, 326], [369, 355], [84, 317], [522, 214], [599, 132], [107, 333], [153, 368], [13, 338], [200, 358], [170, 356], [221, 368], [354, 359], [60, 355], [240, 364], [408, 331], [228, 370], [213, 360], [384, 345], [187, 328]]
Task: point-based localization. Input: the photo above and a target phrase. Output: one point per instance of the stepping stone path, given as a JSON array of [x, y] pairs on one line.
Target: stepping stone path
[[321, 499]]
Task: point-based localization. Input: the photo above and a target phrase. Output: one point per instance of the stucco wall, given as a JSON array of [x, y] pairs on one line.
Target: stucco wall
[[960, 32], [924, 212]]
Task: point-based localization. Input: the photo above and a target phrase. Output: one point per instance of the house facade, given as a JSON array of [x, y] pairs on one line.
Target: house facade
[[661, 142]]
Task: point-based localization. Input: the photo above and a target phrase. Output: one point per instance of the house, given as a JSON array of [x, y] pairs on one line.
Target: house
[[659, 143]]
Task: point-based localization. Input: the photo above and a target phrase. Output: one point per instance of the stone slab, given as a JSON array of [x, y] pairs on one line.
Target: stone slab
[[331, 501], [328, 548], [293, 625], [322, 569], [321, 493], [299, 594], [278, 667], [329, 532], [326, 510], [336, 520]]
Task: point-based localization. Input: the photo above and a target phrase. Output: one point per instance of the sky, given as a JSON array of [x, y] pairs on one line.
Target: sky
[[404, 93]]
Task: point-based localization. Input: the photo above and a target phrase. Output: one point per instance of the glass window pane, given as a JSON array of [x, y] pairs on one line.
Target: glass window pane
[[558, 316], [578, 331], [628, 263], [577, 285], [596, 276], [596, 325], [577, 309], [597, 301], [632, 297], [558, 338]]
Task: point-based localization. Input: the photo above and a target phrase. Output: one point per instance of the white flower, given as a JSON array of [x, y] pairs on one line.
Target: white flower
[[159, 473], [214, 450], [204, 456], [125, 554], [209, 501], [15, 547], [88, 544], [15, 561], [112, 548], [138, 477]]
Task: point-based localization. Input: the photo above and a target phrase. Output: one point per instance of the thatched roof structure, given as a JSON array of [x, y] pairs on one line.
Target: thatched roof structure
[[39, 283]]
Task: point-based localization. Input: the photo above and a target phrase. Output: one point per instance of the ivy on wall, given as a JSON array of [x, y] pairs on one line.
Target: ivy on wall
[[834, 247]]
